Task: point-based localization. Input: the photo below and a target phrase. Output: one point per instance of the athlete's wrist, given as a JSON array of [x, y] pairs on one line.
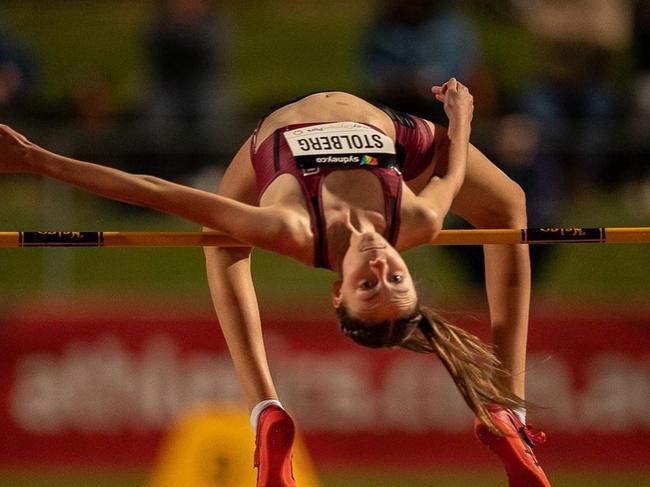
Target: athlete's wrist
[[34, 160], [459, 132]]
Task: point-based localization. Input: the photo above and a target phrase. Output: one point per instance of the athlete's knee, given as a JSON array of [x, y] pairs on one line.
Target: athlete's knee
[[514, 212], [225, 255], [508, 210]]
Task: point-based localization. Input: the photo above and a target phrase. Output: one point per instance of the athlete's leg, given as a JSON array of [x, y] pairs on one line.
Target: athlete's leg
[[233, 296], [235, 302], [489, 199], [233, 293]]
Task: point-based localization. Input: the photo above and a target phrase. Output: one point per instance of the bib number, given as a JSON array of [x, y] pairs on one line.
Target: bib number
[[340, 144]]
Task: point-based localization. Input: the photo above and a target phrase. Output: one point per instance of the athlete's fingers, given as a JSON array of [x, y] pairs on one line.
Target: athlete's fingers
[[452, 84], [438, 92], [8, 132]]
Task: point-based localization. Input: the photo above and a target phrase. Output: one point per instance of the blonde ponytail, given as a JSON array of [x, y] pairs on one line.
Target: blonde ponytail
[[475, 369]]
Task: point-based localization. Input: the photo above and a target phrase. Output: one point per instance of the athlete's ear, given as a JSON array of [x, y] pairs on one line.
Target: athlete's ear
[[336, 294]]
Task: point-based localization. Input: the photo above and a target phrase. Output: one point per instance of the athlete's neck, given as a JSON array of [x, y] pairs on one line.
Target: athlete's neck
[[341, 229]]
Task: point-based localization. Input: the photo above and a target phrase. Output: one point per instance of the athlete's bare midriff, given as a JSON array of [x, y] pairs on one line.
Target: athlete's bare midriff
[[333, 106]]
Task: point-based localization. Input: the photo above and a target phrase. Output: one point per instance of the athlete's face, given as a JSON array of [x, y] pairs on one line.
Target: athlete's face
[[376, 285]]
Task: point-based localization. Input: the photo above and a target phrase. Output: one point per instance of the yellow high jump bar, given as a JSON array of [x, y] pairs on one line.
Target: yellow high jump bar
[[208, 239]]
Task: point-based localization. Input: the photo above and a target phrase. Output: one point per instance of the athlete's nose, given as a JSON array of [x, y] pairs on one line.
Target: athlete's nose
[[379, 267]]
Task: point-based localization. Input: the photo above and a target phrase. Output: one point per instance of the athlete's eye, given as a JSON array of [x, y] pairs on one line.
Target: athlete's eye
[[397, 278], [365, 285]]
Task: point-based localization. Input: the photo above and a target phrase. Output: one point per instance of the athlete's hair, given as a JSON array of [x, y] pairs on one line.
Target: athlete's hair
[[476, 371]]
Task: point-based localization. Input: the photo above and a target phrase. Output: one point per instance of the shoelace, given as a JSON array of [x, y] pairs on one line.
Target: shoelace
[[532, 438]]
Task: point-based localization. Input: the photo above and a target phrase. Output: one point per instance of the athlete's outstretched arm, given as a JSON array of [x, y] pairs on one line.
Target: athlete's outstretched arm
[[233, 293], [490, 199], [263, 227]]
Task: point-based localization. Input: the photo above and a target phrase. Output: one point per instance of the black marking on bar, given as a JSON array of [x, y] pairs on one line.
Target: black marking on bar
[[524, 235], [61, 239], [567, 234]]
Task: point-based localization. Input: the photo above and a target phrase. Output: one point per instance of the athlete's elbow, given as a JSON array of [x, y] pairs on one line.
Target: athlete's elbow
[[151, 183], [148, 192], [287, 235], [435, 224], [430, 221]]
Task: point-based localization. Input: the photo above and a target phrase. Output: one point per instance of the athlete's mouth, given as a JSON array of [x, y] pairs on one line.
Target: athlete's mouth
[[372, 247]]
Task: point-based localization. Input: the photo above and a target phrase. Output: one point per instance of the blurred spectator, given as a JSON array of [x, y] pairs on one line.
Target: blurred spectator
[[641, 37], [641, 61], [638, 184], [414, 44], [188, 97], [93, 100], [574, 101], [17, 74], [94, 112], [557, 133], [509, 137]]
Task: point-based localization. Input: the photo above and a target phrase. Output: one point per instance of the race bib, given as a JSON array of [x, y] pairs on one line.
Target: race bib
[[340, 144]]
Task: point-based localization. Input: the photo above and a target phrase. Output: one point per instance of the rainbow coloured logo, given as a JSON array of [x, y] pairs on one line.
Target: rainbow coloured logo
[[367, 160]]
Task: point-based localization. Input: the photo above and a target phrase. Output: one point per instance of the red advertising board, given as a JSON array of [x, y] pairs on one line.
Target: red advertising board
[[96, 384]]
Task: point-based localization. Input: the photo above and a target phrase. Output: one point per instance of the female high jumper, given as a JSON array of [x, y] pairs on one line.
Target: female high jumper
[[334, 181]]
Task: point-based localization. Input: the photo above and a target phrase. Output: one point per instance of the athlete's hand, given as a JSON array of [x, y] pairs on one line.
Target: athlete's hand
[[16, 151], [457, 100]]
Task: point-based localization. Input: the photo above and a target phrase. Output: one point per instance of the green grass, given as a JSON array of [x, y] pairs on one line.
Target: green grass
[[490, 478]]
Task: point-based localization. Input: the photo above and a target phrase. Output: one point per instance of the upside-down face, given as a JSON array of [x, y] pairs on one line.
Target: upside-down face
[[376, 284]]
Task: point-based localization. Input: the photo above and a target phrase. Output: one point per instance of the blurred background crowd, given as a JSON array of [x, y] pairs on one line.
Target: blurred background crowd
[[172, 87]]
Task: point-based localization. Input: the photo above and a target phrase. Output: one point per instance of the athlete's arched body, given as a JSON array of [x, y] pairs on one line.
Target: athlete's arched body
[[334, 181]]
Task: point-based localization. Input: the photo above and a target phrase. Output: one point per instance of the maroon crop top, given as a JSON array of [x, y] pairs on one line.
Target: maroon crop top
[[310, 160]]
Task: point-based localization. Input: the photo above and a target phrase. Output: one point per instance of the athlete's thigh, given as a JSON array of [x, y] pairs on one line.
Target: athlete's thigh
[[488, 197]]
